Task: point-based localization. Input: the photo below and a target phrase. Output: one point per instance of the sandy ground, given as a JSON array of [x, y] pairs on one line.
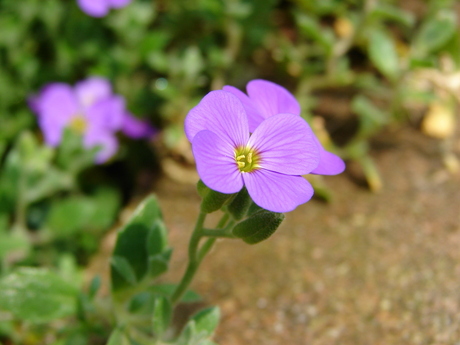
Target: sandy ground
[[363, 269]]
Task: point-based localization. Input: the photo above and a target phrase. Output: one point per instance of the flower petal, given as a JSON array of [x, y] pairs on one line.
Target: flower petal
[[271, 99], [136, 128], [93, 89], [277, 192], [253, 114], [94, 8], [329, 163], [107, 113], [55, 106], [215, 162], [286, 145], [106, 141], [222, 113]]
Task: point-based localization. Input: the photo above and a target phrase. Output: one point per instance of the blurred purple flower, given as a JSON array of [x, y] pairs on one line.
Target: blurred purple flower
[[100, 8], [266, 99], [90, 109], [136, 128], [269, 162]]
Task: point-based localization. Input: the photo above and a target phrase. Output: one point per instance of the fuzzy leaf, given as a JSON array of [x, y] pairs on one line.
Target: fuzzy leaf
[[37, 295], [142, 238]]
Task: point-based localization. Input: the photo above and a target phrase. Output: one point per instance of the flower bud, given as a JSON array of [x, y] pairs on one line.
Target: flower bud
[[212, 200], [239, 206], [258, 227]]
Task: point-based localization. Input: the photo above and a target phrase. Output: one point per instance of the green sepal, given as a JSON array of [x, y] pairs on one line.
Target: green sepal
[[239, 206], [258, 227], [212, 200]]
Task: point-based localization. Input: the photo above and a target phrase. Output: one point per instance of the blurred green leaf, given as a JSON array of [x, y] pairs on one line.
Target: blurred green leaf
[[11, 242], [435, 32], [453, 48], [200, 327], [206, 321], [311, 28], [141, 242], [72, 155], [76, 213], [371, 117], [382, 52], [36, 295], [162, 313], [391, 12], [118, 337], [123, 268]]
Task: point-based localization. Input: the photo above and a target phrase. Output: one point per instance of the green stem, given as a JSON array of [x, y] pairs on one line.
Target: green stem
[[193, 263], [217, 233], [196, 254]]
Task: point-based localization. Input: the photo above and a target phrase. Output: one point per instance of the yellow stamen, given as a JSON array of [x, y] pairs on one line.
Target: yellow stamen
[[247, 159], [78, 124]]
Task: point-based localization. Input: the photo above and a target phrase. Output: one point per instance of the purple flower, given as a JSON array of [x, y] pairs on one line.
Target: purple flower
[[266, 99], [269, 162], [100, 8], [136, 128], [90, 109]]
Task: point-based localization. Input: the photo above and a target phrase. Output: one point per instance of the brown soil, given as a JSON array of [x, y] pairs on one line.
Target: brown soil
[[363, 269]]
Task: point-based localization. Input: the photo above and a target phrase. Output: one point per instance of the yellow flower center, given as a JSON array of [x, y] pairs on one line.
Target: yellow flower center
[[247, 159], [78, 124]]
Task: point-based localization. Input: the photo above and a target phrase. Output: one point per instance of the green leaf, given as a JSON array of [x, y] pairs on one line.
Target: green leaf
[[206, 321], [72, 155], [122, 266], [258, 227], [76, 213], [371, 118], [158, 264], [70, 215], [212, 200], [435, 32], [162, 312], [382, 52], [187, 336], [94, 286], [200, 327], [387, 11], [12, 242], [239, 206], [37, 295], [310, 27], [118, 337], [142, 242]]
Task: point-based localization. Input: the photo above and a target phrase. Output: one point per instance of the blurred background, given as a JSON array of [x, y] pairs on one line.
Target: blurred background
[[379, 82]]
